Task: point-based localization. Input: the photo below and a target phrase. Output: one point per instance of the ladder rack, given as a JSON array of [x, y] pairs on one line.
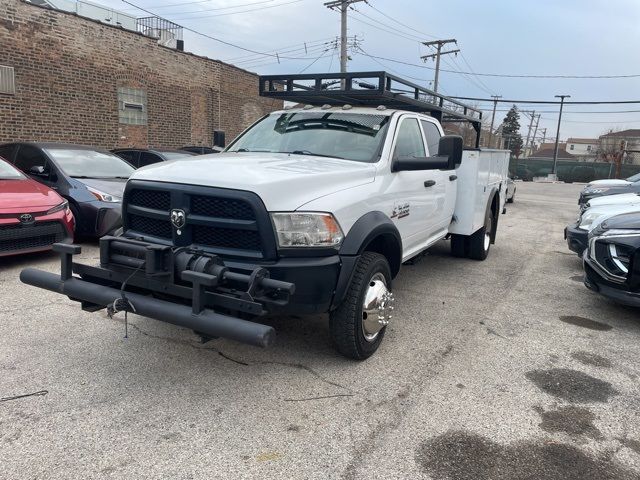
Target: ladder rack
[[369, 89]]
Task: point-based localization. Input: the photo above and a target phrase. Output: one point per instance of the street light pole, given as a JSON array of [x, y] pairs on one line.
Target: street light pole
[[555, 150]]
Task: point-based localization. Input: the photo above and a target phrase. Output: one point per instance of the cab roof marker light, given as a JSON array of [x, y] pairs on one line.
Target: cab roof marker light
[[381, 107], [326, 106], [307, 107], [347, 107]]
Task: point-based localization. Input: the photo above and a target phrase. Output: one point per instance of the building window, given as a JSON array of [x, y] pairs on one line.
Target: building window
[[132, 106], [7, 80], [571, 146]]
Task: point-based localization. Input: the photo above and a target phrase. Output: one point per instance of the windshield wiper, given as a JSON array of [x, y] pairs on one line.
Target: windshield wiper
[[307, 152], [243, 150]]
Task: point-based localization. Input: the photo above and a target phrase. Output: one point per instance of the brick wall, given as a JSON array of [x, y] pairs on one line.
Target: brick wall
[[68, 70]]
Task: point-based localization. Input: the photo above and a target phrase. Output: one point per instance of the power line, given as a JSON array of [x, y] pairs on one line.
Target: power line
[[506, 75], [210, 37], [551, 102], [384, 30], [399, 23], [390, 27], [179, 4], [286, 49], [233, 13]]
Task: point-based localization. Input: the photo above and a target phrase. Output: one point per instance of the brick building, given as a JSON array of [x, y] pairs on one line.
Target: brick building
[[70, 79]]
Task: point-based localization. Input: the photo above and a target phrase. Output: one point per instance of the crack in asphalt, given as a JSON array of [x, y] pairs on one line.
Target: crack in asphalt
[[40, 393], [243, 363]]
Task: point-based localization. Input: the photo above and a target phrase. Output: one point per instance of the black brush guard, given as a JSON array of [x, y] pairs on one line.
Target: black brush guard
[[183, 275]]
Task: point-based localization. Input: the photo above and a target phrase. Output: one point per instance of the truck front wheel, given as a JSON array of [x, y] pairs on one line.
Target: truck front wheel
[[358, 325]]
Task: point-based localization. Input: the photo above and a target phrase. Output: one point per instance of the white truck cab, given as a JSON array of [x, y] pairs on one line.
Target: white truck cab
[[312, 209]]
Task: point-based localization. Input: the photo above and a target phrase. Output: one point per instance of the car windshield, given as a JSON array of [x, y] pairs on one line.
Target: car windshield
[[634, 178], [176, 155], [7, 172], [350, 136], [90, 163]]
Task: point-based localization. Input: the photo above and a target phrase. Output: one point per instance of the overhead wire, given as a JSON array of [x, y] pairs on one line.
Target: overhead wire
[[199, 15], [211, 37]]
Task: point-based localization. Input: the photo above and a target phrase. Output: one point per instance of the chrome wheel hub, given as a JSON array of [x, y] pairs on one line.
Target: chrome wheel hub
[[377, 307]]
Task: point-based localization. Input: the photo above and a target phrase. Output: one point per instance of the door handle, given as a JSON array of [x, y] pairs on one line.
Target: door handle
[[452, 178], [429, 183]]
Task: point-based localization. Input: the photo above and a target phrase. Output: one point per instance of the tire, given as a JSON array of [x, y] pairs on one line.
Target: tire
[[346, 323], [77, 233], [513, 197], [459, 246], [480, 241]]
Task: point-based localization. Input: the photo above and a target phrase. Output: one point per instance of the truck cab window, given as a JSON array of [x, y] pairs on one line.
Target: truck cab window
[[432, 134], [409, 140]]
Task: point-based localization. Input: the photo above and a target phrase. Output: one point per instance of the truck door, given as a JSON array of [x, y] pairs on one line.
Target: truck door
[[444, 191], [408, 197]]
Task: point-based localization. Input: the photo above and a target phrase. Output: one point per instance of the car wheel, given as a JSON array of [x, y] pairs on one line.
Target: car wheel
[[480, 241], [359, 323]]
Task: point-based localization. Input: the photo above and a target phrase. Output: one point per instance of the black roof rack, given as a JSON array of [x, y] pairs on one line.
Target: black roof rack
[[368, 89]]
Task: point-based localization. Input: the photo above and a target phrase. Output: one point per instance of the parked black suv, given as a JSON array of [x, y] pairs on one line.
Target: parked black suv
[[612, 259]]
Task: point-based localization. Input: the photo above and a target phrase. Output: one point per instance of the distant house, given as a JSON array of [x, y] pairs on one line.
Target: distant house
[[627, 140], [546, 151], [582, 147]]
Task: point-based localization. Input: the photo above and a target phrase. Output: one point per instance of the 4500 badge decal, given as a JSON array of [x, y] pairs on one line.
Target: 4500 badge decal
[[400, 210]]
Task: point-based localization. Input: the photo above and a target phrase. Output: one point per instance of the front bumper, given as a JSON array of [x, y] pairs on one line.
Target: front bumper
[[576, 238], [191, 288], [594, 281], [17, 238], [99, 218]]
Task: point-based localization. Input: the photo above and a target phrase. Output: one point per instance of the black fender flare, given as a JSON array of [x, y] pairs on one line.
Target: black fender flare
[[496, 215], [373, 229]]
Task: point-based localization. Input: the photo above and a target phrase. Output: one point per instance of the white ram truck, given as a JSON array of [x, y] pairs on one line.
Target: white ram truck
[[312, 209]]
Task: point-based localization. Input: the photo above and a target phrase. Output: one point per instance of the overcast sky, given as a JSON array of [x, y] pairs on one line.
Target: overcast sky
[[516, 37]]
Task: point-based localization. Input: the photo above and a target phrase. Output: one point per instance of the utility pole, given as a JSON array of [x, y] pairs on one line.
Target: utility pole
[[342, 5], [535, 131], [493, 116], [526, 144], [438, 44], [544, 134], [555, 150]]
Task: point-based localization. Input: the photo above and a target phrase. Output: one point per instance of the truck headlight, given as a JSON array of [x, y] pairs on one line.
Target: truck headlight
[[593, 191], [307, 229], [103, 197], [62, 206]]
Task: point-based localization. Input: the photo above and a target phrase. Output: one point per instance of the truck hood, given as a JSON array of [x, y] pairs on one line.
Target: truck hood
[[283, 181]]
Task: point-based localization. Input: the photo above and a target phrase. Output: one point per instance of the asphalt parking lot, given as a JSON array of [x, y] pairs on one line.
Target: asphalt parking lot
[[503, 369]]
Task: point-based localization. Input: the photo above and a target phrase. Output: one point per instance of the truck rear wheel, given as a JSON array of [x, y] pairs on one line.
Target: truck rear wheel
[[480, 241], [358, 325]]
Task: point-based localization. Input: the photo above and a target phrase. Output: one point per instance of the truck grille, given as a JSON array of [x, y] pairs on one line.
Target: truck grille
[[14, 238], [229, 222]]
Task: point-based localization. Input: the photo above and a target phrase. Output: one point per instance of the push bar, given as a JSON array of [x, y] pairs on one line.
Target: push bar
[[206, 322]]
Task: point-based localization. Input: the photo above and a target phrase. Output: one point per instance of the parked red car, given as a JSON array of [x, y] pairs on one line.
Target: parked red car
[[32, 216]]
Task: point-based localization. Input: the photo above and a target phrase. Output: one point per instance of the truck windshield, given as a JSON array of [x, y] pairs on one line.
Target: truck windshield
[[350, 136]]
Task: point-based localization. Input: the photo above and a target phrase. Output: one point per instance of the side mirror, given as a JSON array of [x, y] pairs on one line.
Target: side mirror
[[451, 146], [218, 138], [38, 171]]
